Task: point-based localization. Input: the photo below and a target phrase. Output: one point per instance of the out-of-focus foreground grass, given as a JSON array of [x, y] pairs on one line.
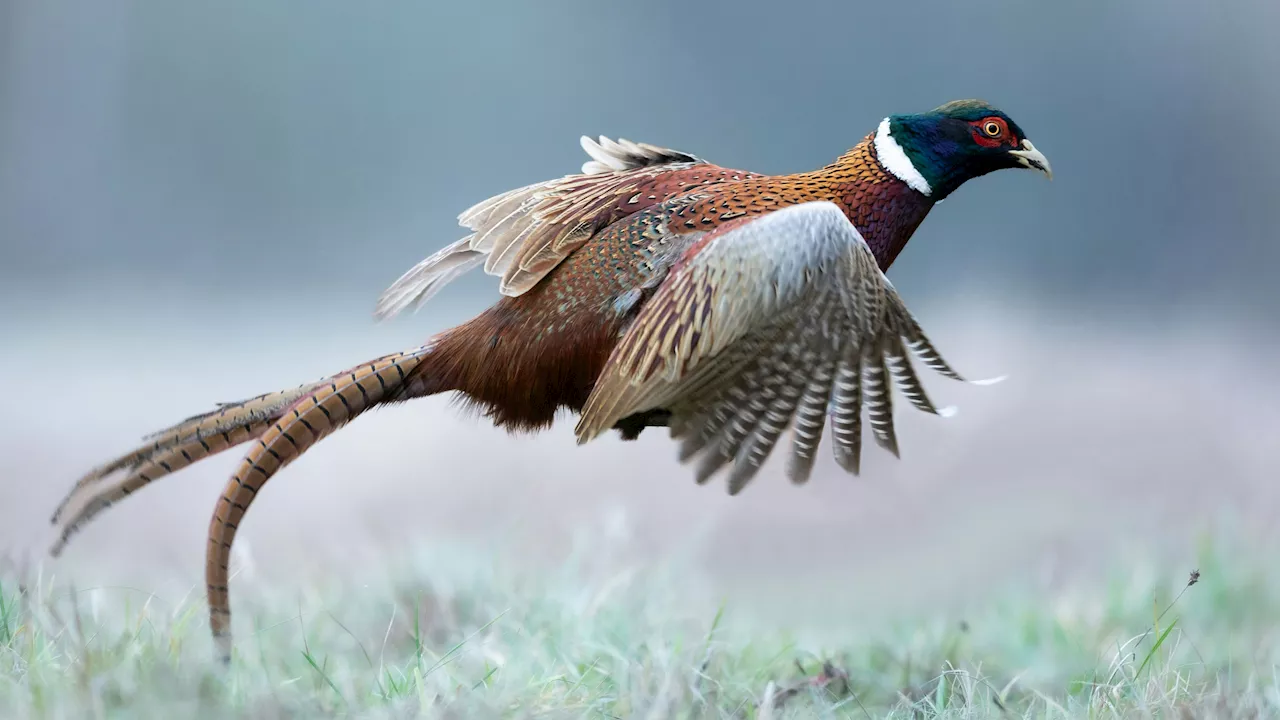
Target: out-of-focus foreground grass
[[433, 634]]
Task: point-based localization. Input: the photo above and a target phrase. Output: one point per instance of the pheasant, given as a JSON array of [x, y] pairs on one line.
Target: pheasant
[[653, 289]]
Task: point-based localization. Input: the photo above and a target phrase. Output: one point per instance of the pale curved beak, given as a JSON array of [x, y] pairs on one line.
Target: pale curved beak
[[1030, 157]]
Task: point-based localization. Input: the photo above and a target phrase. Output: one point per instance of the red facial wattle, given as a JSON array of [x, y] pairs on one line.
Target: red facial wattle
[[1002, 137]]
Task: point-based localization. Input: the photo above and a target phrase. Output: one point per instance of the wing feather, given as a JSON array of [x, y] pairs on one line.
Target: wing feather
[[878, 398], [810, 419], [697, 429], [747, 411], [523, 234], [846, 411], [768, 322]]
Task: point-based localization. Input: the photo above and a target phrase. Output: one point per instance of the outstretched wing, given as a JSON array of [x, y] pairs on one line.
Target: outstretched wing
[[522, 234], [770, 321]]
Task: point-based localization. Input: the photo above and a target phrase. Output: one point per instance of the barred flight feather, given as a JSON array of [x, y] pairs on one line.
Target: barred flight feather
[[846, 410], [810, 419], [879, 399]]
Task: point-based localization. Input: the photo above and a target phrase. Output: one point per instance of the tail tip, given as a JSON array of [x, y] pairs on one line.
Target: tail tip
[[222, 648], [58, 512]]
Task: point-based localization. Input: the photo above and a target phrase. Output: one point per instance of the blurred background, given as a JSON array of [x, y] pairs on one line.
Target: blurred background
[[199, 203]]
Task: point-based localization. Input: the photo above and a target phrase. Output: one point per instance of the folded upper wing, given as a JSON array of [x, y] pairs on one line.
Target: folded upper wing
[[522, 234], [769, 321]]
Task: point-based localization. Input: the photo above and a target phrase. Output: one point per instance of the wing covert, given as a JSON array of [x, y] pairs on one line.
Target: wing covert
[[523, 234]]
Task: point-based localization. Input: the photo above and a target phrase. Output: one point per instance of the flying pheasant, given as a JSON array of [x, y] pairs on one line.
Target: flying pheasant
[[652, 289]]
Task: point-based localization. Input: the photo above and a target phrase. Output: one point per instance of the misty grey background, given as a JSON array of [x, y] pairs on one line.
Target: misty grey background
[[201, 201], [251, 148]]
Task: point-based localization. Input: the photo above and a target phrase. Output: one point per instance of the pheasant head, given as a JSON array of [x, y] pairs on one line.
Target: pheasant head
[[938, 151]]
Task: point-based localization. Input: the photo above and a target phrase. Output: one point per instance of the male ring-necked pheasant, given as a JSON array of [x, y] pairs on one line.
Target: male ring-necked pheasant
[[652, 289]]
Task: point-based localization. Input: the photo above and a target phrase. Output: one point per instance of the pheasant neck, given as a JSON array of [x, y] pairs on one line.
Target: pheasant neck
[[884, 207]]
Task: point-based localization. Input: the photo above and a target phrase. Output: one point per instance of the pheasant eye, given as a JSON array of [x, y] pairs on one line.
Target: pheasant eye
[[991, 128]]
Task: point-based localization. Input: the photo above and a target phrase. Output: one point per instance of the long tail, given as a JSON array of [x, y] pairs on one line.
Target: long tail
[[284, 424]]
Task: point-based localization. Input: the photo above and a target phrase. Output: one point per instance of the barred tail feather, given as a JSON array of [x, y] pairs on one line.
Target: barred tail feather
[[175, 447], [333, 404], [151, 469], [280, 427]]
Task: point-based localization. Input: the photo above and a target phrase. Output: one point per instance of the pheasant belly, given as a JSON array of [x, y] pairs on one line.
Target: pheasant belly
[[527, 357]]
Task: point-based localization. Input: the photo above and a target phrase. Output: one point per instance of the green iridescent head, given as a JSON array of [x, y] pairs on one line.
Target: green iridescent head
[[938, 151]]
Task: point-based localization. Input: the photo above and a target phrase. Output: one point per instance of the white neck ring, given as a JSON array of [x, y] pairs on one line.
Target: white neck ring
[[895, 160]]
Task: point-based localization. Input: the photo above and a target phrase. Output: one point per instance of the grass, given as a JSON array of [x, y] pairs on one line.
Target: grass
[[438, 639]]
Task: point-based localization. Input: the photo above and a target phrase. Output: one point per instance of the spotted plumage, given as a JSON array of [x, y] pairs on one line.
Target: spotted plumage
[[654, 288]]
